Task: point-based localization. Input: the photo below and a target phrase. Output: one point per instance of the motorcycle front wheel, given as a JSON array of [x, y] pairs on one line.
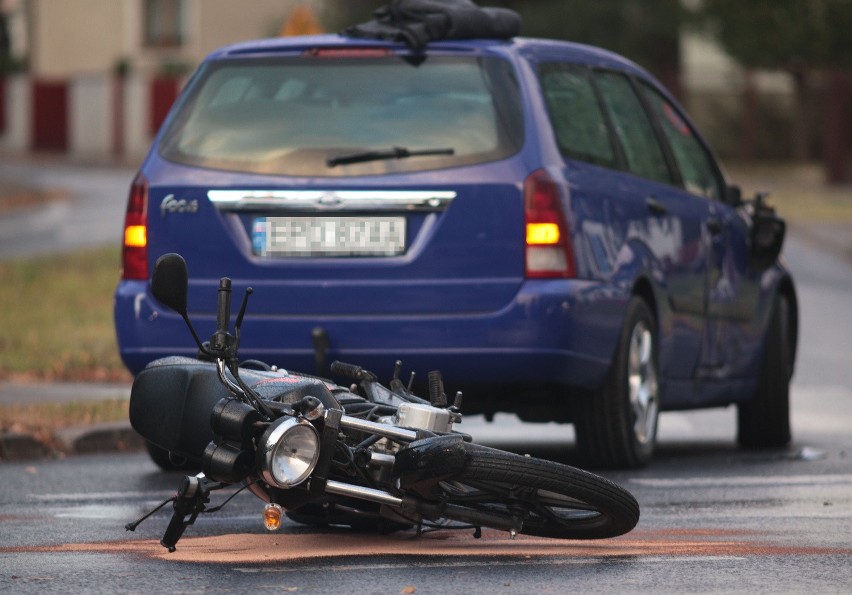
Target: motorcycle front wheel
[[550, 499]]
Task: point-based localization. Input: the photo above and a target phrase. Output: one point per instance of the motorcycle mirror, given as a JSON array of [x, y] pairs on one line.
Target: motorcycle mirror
[[169, 282]]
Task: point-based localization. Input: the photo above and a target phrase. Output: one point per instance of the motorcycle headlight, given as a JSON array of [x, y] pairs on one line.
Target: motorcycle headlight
[[289, 452]]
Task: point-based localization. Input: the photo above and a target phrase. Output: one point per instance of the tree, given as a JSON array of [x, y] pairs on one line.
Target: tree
[[806, 38], [646, 31]]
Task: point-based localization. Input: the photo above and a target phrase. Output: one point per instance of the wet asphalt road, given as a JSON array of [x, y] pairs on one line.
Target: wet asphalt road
[[89, 210], [713, 518]]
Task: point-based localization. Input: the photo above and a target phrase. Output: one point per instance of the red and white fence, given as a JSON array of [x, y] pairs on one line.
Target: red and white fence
[[86, 116]]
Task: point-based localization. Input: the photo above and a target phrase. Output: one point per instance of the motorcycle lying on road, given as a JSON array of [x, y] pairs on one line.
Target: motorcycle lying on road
[[369, 457]]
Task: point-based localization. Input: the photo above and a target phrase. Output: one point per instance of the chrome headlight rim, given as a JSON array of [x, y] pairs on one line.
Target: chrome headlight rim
[[275, 438]]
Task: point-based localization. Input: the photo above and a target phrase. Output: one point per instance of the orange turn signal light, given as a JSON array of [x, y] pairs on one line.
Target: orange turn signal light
[[135, 236], [540, 234], [272, 515]]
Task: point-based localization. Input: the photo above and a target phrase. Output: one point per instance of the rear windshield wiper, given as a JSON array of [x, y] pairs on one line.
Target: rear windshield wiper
[[392, 153]]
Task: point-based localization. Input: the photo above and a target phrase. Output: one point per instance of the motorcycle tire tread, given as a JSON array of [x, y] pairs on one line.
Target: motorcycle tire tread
[[619, 510]]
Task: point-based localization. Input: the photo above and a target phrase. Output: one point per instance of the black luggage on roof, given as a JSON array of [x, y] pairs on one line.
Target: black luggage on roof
[[417, 22]]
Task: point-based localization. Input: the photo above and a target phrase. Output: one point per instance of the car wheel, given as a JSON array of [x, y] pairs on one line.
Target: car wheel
[[764, 421], [617, 427]]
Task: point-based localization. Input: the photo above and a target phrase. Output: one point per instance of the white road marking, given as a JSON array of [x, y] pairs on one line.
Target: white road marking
[[743, 481]]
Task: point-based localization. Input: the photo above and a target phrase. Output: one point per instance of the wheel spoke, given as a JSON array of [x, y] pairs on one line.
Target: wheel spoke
[[543, 504], [642, 383]]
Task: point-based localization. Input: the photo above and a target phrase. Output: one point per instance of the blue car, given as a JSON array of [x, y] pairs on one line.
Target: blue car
[[539, 220]]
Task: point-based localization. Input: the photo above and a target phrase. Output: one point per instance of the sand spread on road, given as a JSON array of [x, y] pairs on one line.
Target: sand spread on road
[[291, 547]]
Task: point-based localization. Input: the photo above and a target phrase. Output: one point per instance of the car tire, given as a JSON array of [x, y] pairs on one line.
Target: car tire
[[764, 421], [617, 427]]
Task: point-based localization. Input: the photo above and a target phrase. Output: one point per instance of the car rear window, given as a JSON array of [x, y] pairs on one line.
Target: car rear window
[[291, 116]]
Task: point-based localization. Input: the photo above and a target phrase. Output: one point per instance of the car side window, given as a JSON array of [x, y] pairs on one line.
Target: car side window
[[642, 151], [576, 115], [697, 168]]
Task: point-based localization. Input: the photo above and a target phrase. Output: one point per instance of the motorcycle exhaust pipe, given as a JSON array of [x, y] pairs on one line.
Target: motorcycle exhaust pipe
[[362, 493]]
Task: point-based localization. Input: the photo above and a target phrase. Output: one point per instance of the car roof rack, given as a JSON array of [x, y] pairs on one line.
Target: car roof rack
[[417, 22]]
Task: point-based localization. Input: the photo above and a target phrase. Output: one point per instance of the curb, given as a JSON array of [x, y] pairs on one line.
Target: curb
[[21, 447], [98, 438], [116, 436], [108, 437]]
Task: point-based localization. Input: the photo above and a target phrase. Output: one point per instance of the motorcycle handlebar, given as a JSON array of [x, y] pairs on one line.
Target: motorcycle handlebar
[[223, 312]]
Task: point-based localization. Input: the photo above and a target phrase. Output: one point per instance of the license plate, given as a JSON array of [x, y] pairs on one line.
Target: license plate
[[328, 236]]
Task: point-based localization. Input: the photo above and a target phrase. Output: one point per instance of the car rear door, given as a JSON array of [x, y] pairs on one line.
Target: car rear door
[[733, 289], [631, 215]]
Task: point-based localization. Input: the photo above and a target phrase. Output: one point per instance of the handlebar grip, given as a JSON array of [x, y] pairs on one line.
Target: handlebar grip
[[351, 371], [223, 312], [348, 370], [176, 527]]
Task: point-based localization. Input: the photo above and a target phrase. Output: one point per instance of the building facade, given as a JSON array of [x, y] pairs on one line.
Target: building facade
[[96, 77]]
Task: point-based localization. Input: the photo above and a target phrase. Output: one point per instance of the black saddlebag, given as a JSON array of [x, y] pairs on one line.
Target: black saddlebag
[[172, 400]]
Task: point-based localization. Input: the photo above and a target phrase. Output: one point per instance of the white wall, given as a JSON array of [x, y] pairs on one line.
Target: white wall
[[137, 139], [18, 131], [70, 37], [90, 116]]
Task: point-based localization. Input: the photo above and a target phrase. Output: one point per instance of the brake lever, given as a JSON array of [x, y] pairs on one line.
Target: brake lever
[[243, 306]]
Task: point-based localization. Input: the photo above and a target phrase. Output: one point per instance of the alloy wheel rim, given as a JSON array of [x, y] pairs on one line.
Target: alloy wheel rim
[[642, 383]]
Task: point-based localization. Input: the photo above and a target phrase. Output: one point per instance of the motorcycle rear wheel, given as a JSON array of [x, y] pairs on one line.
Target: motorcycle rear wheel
[[552, 499]]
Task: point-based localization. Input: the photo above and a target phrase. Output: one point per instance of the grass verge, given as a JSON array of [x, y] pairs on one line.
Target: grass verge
[[56, 317]]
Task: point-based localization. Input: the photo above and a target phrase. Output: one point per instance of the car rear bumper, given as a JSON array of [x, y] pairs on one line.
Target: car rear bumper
[[554, 332]]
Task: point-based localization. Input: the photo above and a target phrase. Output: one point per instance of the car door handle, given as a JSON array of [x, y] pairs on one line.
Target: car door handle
[[714, 226], [655, 206]]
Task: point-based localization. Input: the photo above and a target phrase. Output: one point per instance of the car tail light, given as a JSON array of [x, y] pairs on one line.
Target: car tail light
[[134, 258], [348, 52], [549, 252]]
